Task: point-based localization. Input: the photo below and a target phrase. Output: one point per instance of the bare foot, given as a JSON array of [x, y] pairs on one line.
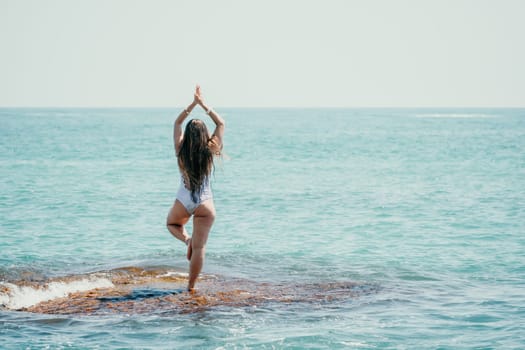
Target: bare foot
[[190, 250]]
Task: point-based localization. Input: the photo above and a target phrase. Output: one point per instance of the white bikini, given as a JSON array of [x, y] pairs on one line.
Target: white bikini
[[184, 195]]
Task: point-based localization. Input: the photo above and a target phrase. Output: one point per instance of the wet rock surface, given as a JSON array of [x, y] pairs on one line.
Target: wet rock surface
[[162, 290]]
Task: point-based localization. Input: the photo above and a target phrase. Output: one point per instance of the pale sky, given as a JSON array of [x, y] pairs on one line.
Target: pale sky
[[267, 53]]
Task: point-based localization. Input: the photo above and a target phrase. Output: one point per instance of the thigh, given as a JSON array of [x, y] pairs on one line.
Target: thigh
[[178, 215], [203, 219]]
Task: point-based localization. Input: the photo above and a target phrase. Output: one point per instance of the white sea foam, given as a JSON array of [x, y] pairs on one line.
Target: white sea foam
[[454, 115], [174, 274], [17, 297]]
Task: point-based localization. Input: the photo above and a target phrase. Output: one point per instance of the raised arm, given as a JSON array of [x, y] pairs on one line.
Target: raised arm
[[177, 127], [220, 124]]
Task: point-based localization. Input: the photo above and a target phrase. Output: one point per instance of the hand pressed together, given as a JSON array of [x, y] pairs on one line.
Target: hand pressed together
[[197, 96]]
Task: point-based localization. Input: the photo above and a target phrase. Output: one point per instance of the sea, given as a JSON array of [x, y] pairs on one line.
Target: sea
[[336, 228]]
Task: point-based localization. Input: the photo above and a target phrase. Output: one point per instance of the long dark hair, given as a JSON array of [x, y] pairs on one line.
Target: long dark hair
[[195, 157]]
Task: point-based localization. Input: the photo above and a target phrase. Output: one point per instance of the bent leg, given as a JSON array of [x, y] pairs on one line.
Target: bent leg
[[177, 218], [202, 221]]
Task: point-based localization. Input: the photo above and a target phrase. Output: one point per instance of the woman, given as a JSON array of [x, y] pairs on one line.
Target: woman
[[195, 150]]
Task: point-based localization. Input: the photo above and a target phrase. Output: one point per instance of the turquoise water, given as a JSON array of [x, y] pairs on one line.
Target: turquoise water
[[428, 205]]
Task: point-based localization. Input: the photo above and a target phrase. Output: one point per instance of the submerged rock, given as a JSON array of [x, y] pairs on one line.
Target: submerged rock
[[162, 290]]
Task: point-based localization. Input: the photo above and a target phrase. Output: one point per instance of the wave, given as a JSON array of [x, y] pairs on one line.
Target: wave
[[16, 297]]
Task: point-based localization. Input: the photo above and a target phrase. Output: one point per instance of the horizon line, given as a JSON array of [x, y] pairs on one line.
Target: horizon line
[[267, 107]]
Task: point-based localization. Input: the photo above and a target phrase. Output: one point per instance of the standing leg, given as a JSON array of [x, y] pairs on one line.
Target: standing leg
[[202, 221]]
